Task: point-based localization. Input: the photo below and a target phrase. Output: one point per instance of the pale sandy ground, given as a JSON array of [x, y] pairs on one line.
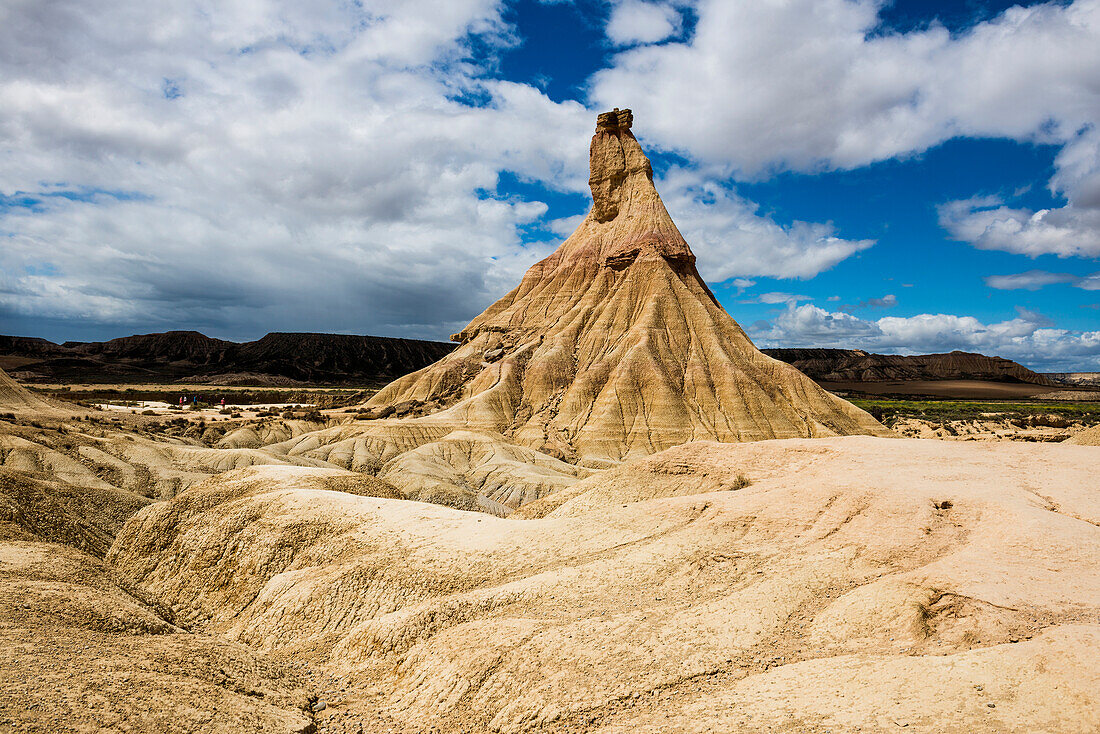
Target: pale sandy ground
[[210, 413], [845, 584], [857, 584]]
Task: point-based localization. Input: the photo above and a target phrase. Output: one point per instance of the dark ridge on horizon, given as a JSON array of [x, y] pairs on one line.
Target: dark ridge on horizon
[[856, 365], [309, 357], [172, 356]]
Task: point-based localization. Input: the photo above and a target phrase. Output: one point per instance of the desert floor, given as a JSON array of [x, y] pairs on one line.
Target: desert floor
[[278, 577]]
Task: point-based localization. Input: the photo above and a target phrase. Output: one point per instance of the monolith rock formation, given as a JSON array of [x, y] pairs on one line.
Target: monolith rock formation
[[613, 346]]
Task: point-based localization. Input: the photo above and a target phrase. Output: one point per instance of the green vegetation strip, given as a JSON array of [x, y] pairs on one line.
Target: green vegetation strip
[[948, 410]]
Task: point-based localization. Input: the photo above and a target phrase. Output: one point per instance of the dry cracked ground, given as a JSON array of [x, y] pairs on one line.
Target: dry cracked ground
[[288, 579]]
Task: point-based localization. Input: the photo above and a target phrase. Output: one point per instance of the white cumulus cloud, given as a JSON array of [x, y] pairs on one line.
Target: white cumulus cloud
[[241, 166], [254, 165], [634, 21], [732, 239], [808, 85], [1030, 338], [986, 224]]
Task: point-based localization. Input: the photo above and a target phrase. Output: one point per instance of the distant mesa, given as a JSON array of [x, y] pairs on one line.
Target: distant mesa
[[613, 346], [856, 365], [276, 359]]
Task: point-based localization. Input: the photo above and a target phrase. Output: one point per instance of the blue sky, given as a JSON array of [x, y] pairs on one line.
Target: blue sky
[[900, 177]]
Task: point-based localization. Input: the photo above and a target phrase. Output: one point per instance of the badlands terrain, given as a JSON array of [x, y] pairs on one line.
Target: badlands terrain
[[604, 511]]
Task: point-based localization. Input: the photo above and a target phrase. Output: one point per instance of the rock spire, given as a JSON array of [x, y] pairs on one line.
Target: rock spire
[[613, 346]]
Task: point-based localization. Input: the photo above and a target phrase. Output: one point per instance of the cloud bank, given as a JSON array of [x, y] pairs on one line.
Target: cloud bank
[[839, 92], [1030, 338], [244, 166]]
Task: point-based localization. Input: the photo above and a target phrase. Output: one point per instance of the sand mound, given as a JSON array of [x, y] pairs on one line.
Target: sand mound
[[361, 447], [614, 347], [86, 517], [177, 466], [22, 454], [14, 398], [257, 435], [923, 580], [242, 483], [431, 462], [87, 458], [478, 470], [82, 655], [668, 474], [1087, 437]]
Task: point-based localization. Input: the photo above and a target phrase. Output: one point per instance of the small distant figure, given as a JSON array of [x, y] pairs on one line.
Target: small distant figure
[[223, 402], [182, 400]]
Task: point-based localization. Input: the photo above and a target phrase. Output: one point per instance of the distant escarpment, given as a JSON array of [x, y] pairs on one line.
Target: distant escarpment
[[856, 365], [1076, 379], [175, 355]]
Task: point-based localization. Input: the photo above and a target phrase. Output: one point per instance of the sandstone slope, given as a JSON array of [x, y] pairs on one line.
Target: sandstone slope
[[479, 470], [853, 583], [84, 654], [81, 654], [14, 398], [613, 346]]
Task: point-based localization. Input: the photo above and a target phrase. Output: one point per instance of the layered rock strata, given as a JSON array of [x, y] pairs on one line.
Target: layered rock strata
[[613, 346]]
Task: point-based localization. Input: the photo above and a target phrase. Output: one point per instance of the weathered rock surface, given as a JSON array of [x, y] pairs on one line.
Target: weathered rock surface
[[614, 347], [920, 579], [81, 654], [478, 470]]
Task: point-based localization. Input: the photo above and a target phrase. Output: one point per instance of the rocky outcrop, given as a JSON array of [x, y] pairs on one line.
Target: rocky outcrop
[[613, 346], [1077, 379]]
